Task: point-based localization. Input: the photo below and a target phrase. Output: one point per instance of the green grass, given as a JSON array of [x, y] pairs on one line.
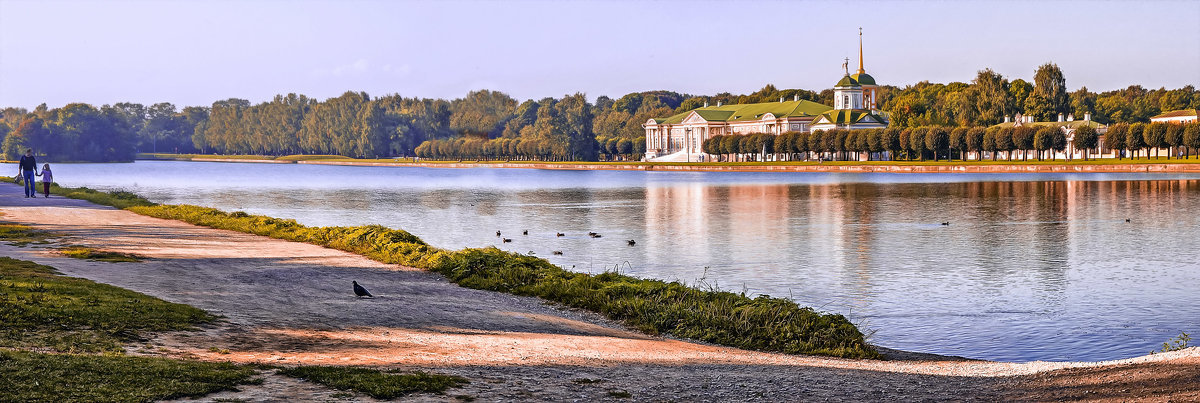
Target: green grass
[[77, 328], [652, 306], [86, 253], [375, 383], [22, 235], [42, 377], [42, 309]]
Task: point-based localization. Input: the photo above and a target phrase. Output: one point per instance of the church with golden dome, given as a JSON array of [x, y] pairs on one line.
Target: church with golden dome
[[678, 138]]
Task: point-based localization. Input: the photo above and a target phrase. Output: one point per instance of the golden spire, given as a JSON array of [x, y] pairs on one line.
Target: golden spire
[[860, 59]]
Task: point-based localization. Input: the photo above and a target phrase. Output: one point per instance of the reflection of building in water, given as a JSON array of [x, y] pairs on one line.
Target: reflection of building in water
[[684, 211]]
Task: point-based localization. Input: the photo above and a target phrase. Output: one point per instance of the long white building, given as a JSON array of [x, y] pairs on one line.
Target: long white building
[[678, 138]]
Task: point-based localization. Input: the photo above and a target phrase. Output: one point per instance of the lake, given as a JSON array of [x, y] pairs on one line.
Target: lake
[[1029, 267]]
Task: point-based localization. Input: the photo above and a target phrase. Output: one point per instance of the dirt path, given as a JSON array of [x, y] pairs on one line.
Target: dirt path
[[291, 303]]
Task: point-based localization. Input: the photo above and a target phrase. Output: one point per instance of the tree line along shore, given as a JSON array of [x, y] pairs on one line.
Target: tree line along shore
[[491, 123]]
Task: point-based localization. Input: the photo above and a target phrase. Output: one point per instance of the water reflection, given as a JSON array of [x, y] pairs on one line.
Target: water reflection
[[1030, 266]]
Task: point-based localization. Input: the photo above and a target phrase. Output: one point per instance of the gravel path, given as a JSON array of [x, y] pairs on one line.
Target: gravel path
[[291, 303]]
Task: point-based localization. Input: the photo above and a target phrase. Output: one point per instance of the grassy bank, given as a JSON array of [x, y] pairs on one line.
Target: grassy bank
[[653, 306]]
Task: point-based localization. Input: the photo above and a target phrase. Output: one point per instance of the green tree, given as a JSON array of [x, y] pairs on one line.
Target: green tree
[[1039, 107], [1022, 138], [1154, 135], [1191, 136], [1134, 140], [937, 139], [1085, 139], [973, 141], [484, 113], [1050, 84], [1083, 102], [993, 99], [1114, 139]]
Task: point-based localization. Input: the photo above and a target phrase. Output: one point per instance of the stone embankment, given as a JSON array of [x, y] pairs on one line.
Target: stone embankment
[[999, 168]]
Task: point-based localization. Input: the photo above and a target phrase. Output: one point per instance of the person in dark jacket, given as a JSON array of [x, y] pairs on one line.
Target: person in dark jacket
[[28, 169]]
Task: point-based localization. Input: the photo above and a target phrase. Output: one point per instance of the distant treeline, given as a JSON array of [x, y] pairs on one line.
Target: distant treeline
[[946, 142], [490, 124]]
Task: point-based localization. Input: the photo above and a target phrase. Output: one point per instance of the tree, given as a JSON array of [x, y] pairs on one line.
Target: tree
[[1018, 91], [1114, 139], [1039, 107], [958, 140], [1050, 84], [937, 138], [992, 97], [1022, 138], [890, 141], [1191, 136], [1004, 141], [974, 142], [1134, 140], [483, 112], [1174, 139], [1083, 103], [1043, 140], [1155, 136], [989, 141], [916, 141], [1085, 140]]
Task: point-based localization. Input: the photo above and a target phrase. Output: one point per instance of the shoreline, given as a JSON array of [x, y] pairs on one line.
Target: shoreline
[[443, 327], [833, 167]]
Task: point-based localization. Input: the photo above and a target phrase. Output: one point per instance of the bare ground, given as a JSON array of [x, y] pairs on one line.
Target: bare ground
[[289, 303]]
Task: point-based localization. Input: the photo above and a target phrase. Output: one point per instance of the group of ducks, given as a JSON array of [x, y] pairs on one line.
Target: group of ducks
[[500, 235]]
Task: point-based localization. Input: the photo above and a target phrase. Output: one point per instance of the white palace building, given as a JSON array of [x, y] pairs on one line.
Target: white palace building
[[678, 138]]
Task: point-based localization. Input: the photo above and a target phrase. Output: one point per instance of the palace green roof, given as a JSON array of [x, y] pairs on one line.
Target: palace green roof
[[847, 81], [848, 116], [746, 112], [864, 79], [1178, 113]]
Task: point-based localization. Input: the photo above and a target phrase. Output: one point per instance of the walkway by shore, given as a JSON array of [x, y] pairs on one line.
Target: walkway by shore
[[291, 303]]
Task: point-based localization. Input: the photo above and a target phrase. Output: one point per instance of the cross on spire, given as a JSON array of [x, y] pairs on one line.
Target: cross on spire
[[860, 52]]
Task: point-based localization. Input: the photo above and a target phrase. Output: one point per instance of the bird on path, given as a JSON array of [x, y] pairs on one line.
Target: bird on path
[[506, 240], [497, 233], [1126, 220], [525, 232], [361, 292], [631, 242], [946, 223], [557, 252], [561, 234]]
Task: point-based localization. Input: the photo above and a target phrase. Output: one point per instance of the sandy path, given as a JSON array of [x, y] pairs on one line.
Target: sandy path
[[291, 303]]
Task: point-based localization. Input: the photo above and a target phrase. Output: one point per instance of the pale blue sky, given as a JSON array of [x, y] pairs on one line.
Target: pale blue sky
[[196, 52]]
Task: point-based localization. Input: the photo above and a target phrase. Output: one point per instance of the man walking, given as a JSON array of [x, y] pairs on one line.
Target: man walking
[[28, 169]]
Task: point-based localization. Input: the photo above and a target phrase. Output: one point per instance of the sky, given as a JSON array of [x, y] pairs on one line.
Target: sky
[[196, 52]]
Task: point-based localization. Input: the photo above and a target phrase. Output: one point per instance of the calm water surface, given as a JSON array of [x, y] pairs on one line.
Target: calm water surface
[[1031, 267]]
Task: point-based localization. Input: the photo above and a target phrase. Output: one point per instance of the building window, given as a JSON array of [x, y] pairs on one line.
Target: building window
[[846, 102]]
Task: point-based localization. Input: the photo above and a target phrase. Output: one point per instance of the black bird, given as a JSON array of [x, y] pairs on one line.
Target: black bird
[[561, 234], [525, 232], [557, 252], [596, 235], [360, 291], [506, 240], [497, 233], [1126, 220], [946, 223], [631, 242], [592, 234]]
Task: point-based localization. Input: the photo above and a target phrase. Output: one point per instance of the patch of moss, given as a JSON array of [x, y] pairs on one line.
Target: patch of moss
[[375, 383]]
